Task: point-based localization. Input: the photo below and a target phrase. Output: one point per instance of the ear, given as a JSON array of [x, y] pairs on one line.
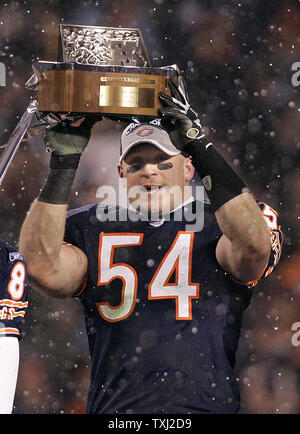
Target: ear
[[121, 171], [189, 170]]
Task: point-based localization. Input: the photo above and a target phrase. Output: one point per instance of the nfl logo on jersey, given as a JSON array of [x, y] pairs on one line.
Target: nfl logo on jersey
[[207, 182], [14, 256]]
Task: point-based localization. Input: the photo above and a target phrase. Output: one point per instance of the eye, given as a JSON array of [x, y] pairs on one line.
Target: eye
[[164, 165], [134, 168], [161, 158]]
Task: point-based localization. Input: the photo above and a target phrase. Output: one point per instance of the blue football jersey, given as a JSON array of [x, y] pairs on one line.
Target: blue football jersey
[[163, 319], [13, 291]]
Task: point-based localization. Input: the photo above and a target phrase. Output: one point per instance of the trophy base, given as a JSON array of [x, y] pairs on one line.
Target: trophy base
[[111, 90]]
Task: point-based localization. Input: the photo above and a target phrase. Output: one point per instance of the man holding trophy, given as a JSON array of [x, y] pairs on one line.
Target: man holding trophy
[[163, 304]]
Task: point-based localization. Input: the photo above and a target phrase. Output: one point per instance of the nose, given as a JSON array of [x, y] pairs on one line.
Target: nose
[[148, 170]]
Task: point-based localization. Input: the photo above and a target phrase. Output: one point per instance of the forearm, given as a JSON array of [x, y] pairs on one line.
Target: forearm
[[42, 233], [41, 239], [245, 246], [54, 268]]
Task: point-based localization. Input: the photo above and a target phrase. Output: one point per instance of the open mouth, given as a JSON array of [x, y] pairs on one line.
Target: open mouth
[[152, 189]]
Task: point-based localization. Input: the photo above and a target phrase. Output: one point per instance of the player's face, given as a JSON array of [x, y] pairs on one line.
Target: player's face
[[156, 182]]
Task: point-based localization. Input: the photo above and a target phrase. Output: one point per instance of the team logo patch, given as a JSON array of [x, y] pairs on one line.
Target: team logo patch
[[13, 256], [207, 182], [134, 125], [144, 132]]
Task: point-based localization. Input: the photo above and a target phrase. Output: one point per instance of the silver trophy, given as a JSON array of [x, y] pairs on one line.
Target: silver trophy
[[103, 46]]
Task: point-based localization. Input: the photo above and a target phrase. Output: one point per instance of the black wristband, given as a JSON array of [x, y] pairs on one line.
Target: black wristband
[[69, 161], [220, 181], [60, 179], [58, 186]]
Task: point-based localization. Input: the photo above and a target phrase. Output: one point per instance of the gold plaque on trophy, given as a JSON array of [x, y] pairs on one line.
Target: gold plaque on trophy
[[103, 70]]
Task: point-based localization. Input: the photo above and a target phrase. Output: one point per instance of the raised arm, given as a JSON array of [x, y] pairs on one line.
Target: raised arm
[[54, 268], [245, 246]]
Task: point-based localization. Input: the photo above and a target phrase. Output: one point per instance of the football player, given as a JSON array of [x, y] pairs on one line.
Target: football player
[[13, 305], [163, 304]]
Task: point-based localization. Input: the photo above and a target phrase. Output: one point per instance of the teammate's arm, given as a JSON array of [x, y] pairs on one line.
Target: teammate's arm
[[245, 246], [54, 268], [9, 365]]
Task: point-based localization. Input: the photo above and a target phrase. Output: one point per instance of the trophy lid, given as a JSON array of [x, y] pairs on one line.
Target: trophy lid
[[43, 65], [93, 45]]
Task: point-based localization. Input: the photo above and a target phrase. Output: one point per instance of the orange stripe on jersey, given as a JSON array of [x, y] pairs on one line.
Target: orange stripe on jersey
[[253, 282], [20, 313], [10, 331], [8, 302], [81, 290]]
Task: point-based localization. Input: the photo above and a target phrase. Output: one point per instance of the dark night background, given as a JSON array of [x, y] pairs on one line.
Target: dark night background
[[236, 57]]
